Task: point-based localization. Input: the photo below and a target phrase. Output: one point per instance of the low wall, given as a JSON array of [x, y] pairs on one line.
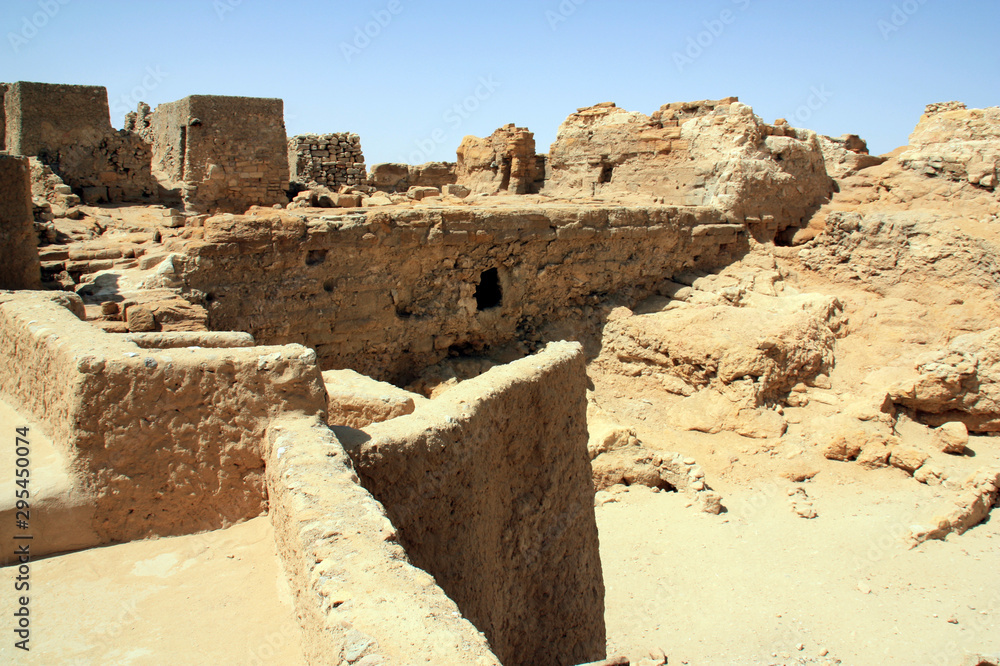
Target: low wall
[[357, 596], [387, 292], [490, 488], [166, 441], [396, 177], [19, 266]]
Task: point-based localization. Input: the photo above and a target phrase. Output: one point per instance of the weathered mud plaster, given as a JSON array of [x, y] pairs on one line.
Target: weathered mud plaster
[[490, 488]]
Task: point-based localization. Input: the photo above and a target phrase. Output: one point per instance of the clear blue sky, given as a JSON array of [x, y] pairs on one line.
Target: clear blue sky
[[866, 66]]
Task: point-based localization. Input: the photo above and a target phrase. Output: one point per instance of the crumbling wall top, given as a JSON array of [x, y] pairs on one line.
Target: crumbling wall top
[[944, 107]]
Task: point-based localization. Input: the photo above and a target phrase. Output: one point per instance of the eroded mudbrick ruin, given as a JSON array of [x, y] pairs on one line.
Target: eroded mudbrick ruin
[[421, 373]]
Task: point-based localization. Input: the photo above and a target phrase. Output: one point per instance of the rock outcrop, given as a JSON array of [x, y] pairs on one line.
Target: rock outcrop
[[957, 143], [847, 155], [733, 345], [960, 383]]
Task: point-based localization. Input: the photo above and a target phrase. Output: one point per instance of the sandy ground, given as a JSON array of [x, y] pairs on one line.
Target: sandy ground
[[760, 585], [753, 585], [214, 598]]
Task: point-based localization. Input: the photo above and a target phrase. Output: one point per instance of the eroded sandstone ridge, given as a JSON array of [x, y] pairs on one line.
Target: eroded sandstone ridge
[[663, 301]]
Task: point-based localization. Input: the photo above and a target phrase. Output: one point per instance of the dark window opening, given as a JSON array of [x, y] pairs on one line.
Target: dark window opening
[[488, 291], [607, 171], [315, 257], [786, 237]]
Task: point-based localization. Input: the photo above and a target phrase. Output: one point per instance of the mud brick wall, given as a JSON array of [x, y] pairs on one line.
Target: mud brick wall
[[223, 153], [490, 488], [387, 292], [69, 129], [356, 592], [328, 159], [157, 458], [19, 266]]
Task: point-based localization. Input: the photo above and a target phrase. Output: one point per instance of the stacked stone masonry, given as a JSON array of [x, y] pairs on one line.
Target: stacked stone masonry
[[140, 122], [331, 160]]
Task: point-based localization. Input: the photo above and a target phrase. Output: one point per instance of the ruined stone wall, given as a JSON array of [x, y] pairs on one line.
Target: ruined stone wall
[[140, 122], [328, 159], [69, 129], [387, 292], [774, 183], [604, 150], [357, 595], [19, 266], [490, 488], [223, 153], [712, 153], [503, 162], [158, 457], [115, 169]]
